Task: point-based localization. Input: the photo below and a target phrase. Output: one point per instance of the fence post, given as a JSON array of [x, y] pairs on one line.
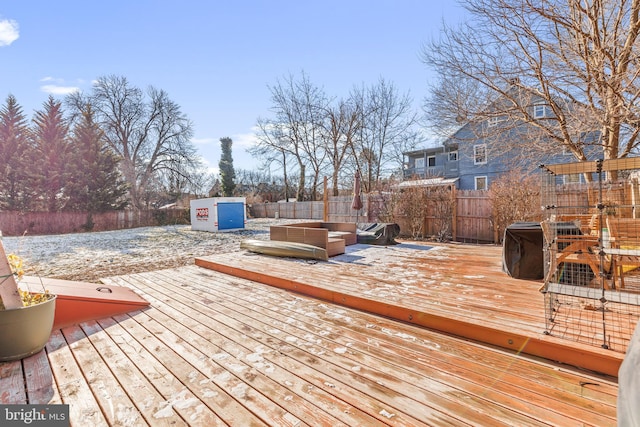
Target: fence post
[[325, 199], [454, 214]]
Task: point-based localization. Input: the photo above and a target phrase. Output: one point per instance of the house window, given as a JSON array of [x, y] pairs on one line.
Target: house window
[[453, 156], [481, 182], [479, 154], [431, 161], [572, 178], [540, 111], [420, 163], [493, 121]]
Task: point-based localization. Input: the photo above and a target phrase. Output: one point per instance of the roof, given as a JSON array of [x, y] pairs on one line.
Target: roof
[[436, 149], [429, 182]]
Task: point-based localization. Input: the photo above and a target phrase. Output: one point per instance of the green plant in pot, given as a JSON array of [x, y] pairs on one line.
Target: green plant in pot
[[26, 317]]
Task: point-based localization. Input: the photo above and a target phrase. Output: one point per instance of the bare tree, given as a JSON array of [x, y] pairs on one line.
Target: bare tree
[[387, 130], [296, 129], [149, 136], [274, 148], [578, 59], [341, 128], [170, 184], [201, 181]]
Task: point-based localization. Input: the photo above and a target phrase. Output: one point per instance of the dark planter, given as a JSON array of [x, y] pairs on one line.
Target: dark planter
[[25, 331]]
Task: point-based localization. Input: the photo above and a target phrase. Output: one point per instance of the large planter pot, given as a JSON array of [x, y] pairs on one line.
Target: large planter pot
[[25, 331]]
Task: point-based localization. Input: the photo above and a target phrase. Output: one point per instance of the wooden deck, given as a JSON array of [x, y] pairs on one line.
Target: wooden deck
[[457, 289], [214, 349]]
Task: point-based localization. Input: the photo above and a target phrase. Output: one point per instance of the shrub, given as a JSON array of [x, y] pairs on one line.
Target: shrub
[[514, 197]]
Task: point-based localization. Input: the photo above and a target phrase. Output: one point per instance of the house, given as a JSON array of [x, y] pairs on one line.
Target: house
[[481, 151], [432, 162]]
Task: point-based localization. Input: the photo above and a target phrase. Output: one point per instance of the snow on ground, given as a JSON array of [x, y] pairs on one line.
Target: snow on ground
[[90, 256]]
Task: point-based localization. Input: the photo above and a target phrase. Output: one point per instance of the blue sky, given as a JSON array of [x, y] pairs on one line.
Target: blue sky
[[216, 59]]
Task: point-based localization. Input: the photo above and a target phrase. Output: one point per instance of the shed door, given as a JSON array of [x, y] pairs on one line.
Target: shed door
[[230, 215]]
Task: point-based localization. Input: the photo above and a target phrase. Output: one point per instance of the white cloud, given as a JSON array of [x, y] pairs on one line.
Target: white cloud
[[8, 32], [59, 90], [240, 140], [244, 140], [215, 170], [203, 141], [57, 86]]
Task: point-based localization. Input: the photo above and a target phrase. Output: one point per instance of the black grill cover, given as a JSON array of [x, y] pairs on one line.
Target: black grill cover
[[522, 251]]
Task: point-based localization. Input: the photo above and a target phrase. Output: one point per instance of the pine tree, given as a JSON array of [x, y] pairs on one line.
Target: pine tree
[[17, 186], [50, 140], [96, 184], [227, 173]]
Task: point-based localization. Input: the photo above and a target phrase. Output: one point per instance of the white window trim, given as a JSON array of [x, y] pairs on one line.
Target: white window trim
[[475, 154], [449, 156], [475, 182], [434, 161], [539, 110], [493, 121], [421, 160]]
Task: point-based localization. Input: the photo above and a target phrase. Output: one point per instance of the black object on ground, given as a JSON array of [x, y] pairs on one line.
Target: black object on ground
[[378, 233]]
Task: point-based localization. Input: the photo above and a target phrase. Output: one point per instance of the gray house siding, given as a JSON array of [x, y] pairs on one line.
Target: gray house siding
[[444, 164], [499, 160]]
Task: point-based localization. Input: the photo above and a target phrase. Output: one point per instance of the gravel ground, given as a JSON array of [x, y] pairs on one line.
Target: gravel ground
[[91, 256]]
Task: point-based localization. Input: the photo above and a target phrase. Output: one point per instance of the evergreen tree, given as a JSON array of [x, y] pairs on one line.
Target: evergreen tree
[[51, 143], [96, 184], [17, 187], [227, 173]]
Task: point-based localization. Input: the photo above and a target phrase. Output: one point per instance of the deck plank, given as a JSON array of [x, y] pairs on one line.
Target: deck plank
[[39, 380], [12, 389], [160, 365], [147, 400], [258, 393], [232, 377], [71, 384], [114, 402]]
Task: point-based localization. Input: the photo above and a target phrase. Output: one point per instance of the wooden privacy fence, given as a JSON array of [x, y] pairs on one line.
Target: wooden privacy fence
[[471, 219], [18, 223], [292, 210]]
